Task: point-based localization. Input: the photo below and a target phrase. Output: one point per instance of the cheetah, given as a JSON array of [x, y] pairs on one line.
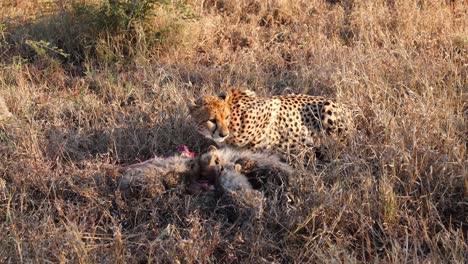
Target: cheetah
[[231, 178], [232, 169], [154, 176], [219, 170], [238, 199], [283, 123]]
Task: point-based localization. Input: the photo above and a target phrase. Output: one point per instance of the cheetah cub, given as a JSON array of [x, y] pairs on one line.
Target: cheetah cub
[[220, 171], [262, 171], [237, 197], [231, 178]]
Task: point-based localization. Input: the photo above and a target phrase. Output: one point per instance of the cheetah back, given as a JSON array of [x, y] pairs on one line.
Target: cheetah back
[[285, 122]]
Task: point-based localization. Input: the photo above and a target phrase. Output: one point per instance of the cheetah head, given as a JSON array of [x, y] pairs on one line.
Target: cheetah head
[[211, 116]]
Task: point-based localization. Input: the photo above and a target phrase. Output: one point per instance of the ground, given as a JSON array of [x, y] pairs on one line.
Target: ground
[[92, 86]]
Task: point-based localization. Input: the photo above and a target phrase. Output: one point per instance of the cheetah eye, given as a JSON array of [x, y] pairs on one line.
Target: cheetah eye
[[212, 121], [217, 161], [229, 116]]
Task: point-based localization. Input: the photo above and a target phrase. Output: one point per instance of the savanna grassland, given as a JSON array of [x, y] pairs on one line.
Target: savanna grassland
[[93, 84]]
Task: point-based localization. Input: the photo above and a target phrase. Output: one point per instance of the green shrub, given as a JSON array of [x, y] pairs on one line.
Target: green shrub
[[110, 32], [114, 29], [116, 16]]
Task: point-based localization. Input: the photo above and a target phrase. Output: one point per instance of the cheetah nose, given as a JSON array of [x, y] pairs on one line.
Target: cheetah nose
[[223, 135]]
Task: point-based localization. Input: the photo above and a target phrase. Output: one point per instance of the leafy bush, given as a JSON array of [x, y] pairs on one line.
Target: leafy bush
[[120, 26], [106, 33], [117, 16]]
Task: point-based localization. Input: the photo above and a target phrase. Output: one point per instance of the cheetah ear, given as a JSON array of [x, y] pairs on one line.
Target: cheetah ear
[[238, 167], [224, 95], [212, 148]]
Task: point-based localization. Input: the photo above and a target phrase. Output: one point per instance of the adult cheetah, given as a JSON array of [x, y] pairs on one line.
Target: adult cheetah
[[283, 123]]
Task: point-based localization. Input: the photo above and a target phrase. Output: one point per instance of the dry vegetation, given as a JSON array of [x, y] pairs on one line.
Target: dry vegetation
[[90, 87]]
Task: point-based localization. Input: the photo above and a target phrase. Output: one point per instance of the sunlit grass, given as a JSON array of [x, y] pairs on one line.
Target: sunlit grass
[[396, 193]]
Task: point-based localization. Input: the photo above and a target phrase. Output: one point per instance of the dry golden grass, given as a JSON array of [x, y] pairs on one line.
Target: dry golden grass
[[397, 193]]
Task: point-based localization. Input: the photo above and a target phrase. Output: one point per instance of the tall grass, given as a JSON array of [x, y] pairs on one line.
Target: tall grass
[[397, 193]]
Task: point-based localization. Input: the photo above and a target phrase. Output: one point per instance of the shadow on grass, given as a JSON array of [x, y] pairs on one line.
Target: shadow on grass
[[131, 143]]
